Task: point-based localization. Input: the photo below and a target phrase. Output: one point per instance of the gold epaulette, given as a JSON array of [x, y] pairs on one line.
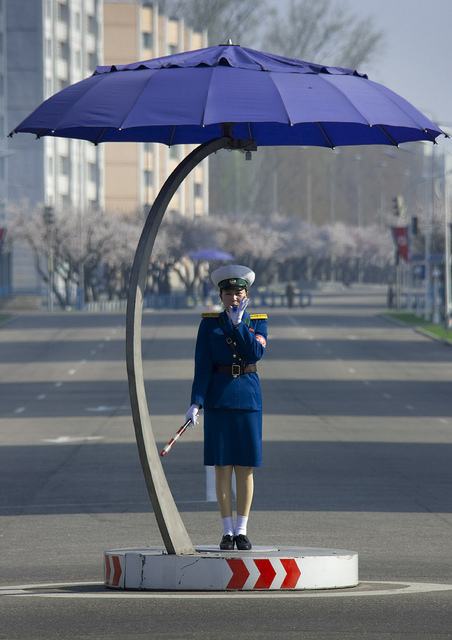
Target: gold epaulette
[[258, 316], [210, 314]]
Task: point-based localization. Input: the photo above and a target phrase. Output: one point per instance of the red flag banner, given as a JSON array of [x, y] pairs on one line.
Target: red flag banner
[[400, 237]]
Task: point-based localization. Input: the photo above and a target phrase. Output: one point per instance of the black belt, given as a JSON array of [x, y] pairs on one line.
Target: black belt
[[235, 370]]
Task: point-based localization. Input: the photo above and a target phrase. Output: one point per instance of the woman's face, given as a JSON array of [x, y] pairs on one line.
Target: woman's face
[[232, 297]]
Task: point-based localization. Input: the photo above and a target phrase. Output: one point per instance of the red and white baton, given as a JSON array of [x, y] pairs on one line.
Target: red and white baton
[[178, 434]]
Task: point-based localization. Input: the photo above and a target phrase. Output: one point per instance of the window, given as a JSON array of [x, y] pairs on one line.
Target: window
[[174, 152], [146, 40], [2, 168], [147, 148], [2, 126], [62, 84], [63, 12], [92, 172], [172, 49], [148, 179], [63, 50], [198, 190], [48, 48], [92, 61], [92, 25], [65, 201], [64, 165]]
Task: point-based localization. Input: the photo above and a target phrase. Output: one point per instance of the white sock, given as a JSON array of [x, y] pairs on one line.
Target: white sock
[[240, 527], [228, 526]]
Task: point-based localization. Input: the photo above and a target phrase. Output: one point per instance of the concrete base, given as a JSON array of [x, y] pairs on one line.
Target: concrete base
[[262, 568]]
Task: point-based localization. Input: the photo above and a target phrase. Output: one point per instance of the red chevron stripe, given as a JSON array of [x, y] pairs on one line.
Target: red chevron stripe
[[292, 573], [267, 574], [107, 570], [118, 571], [240, 573]]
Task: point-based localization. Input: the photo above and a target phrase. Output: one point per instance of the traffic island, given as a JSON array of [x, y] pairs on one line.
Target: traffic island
[[262, 568]]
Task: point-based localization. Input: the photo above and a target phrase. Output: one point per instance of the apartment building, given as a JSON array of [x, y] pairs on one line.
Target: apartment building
[[136, 30], [47, 45]]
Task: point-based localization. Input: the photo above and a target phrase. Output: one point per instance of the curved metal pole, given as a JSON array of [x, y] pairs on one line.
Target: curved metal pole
[[172, 529]]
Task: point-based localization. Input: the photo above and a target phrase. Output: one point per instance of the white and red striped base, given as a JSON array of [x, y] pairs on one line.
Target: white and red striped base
[[209, 569]]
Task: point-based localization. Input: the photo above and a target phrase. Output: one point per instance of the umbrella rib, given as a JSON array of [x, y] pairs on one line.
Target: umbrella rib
[[344, 95], [387, 93], [392, 140], [325, 135], [282, 101], [153, 71], [207, 97], [93, 86]]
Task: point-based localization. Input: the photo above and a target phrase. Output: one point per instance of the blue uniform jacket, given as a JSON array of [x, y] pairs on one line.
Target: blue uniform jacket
[[217, 390]]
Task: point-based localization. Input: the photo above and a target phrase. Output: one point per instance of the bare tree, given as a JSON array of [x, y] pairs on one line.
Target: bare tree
[[324, 31], [223, 19]]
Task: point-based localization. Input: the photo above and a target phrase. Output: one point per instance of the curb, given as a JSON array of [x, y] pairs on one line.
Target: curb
[[417, 329]]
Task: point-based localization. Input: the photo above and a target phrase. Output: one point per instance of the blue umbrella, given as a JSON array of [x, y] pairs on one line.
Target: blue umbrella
[[210, 254], [197, 96]]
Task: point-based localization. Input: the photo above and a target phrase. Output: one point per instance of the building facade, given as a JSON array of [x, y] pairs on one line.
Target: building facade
[[135, 30], [47, 45]]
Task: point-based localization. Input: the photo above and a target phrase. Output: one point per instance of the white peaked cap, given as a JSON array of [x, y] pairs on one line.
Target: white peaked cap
[[233, 272]]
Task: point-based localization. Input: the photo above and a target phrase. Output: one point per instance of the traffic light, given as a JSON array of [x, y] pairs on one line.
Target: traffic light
[[49, 216], [398, 206]]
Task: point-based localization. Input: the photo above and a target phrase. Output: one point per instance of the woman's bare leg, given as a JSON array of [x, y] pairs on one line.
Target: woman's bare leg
[[223, 484], [245, 488]]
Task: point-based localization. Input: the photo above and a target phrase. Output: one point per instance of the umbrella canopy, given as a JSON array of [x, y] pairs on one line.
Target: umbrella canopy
[[210, 254], [264, 98]]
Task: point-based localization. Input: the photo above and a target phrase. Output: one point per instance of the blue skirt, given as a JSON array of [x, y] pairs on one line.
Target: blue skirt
[[232, 437]]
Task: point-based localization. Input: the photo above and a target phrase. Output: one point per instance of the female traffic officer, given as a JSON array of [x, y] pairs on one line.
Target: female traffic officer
[[227, 387]]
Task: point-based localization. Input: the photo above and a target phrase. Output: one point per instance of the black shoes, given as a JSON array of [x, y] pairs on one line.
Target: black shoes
[[242, 542], [227, 543]]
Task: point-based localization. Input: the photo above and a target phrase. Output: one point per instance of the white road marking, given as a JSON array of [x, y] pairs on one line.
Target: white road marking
[[41, 396], [92, 352], [398, 589], [101, 408], [444, 421], [409, 407], [19, 410], [82, 362], [387, 396], [58, 384], [352, 337], [366, 382], [68, 439], [72, 371]]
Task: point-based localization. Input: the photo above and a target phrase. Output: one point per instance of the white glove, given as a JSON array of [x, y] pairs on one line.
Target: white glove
[[193, 415], [236, 313]]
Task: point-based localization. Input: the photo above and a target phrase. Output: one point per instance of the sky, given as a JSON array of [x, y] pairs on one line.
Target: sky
[[416, 57]]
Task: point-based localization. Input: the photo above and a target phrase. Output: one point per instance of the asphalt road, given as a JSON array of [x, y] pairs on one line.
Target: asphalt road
[[357, 455]]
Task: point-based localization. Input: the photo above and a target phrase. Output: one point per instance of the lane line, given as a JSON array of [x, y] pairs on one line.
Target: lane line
[[19, 410], [58, 384], [398, 589], [41, 396], [387, 396]]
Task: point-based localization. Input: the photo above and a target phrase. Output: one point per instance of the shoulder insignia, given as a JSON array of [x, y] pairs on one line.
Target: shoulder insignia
[[258, 316], [210, 314]]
